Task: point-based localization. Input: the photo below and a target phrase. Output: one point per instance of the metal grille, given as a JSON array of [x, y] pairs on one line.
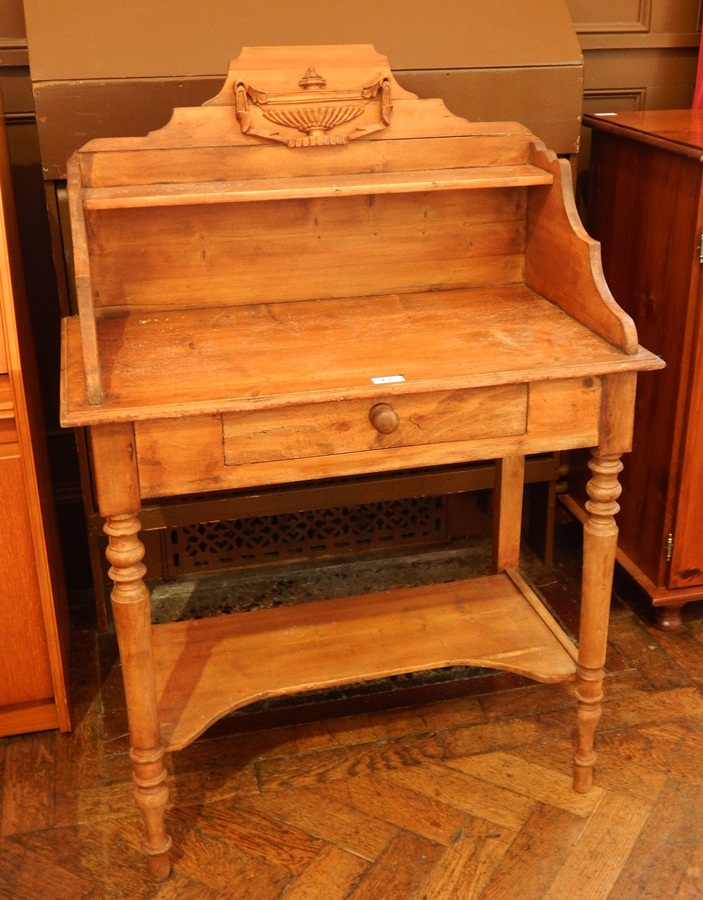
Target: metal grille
[[315, 533]]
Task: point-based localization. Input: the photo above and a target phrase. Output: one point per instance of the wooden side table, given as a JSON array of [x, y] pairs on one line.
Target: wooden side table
[[319, 275]]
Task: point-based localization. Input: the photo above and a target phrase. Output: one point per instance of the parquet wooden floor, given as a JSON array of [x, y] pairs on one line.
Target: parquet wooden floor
[[437, 791]]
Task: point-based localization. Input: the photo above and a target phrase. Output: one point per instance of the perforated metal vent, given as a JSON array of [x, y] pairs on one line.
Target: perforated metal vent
[[310, 534]]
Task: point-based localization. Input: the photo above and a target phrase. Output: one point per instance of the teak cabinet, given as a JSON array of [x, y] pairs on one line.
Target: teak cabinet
[[645, 205], [33, 612], [318, 275]]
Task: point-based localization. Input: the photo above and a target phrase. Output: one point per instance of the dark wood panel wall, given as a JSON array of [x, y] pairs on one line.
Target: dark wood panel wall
[[638, 54], [497, 60], [120, 68]]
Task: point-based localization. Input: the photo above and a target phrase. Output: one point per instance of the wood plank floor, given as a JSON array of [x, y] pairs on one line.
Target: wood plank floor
[[437, 790]]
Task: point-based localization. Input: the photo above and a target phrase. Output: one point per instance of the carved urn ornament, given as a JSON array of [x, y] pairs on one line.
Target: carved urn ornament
[[313, 116]]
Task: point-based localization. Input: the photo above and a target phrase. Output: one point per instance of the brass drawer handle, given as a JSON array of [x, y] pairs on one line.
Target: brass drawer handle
[[384, 418]]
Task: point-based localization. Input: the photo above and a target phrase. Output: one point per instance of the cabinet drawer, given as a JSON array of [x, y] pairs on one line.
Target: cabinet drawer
[[403, 420], [329, 440]]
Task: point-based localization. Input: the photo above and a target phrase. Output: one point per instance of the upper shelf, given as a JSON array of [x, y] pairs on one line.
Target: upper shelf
[[248, 190]]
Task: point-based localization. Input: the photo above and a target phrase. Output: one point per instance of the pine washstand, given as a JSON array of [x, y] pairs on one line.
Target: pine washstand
[[318, 275]]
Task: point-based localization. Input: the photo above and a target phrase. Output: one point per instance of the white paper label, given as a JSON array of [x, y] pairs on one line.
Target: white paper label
[[388, 379]]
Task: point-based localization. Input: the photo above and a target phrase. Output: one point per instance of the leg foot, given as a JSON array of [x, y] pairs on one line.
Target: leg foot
[[159, 867], [152, 795], [589, 693], [668, 618]]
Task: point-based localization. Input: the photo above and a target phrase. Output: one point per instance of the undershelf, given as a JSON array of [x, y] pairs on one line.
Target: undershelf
[[208, 667]]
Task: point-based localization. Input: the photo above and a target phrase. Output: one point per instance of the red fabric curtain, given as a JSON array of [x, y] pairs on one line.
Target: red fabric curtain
[[698, 94]]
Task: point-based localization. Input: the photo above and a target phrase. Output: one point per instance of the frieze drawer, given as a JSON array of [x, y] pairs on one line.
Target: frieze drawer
[[403, 420]]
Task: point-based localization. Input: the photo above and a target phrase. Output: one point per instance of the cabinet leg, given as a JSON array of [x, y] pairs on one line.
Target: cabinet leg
[[132, 612], [599, 545], [668, 618]]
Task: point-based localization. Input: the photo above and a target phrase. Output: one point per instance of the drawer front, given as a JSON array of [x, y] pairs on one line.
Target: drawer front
[[405, 420]]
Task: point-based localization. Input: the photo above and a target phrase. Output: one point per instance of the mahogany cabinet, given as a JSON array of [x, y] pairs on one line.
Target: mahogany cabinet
[[33, 615], [645, 206]]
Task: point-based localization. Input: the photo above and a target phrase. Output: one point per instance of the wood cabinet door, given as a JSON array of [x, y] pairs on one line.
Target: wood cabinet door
[[687, 557], [33, 609], [25, 673]]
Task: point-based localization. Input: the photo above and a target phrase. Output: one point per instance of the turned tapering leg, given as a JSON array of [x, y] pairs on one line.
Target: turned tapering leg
[[599, 545], [132, 613]]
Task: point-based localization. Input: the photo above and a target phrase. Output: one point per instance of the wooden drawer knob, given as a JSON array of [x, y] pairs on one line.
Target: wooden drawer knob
[[384, 418]]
